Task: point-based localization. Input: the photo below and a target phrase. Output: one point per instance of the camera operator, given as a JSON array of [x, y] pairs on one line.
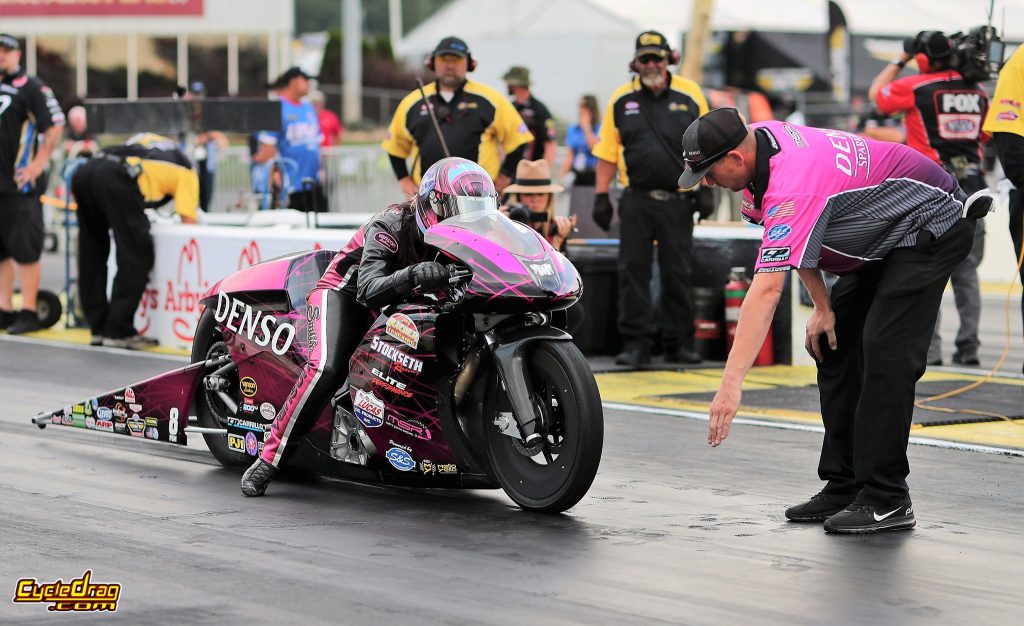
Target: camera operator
[[531, 201], [943, 113]]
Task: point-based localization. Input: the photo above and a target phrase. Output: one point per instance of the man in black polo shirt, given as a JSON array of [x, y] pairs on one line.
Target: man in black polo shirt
[[477, 122], [28, 110], [643, 120], [536, 115]]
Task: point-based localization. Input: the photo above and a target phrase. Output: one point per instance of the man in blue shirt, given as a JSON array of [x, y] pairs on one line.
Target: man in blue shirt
[[297, 144]]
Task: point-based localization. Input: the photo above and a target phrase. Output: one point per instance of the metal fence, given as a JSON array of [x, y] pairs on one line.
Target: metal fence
[[357, 179]]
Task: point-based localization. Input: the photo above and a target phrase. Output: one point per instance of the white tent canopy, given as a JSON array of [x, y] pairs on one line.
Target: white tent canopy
[[583, 46]]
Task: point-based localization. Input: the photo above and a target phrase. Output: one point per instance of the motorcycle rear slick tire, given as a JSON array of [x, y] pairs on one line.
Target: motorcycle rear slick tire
[[560, 377], [206, 337]]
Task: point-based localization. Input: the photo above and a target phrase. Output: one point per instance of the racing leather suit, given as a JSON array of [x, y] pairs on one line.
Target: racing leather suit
[[365, 275]]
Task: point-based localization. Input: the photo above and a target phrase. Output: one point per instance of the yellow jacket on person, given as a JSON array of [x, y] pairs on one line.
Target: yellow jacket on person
[[160, 179]]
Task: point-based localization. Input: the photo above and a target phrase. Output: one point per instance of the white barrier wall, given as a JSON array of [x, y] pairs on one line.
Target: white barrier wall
[[190, 259]]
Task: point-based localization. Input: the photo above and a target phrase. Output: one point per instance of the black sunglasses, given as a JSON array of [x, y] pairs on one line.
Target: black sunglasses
[[650, 58]]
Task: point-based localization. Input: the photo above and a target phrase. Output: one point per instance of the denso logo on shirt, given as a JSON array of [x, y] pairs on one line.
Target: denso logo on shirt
[[779, 231]]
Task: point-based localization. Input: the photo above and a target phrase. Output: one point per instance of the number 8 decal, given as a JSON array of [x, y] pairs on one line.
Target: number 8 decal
[[172, 426]]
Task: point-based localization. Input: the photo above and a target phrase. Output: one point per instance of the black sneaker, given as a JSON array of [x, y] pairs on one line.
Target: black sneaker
[[257, 477], [817, 509], [688, 357], [966, 357], [634, 355], [27, 322], [7, 318], [864, 518]]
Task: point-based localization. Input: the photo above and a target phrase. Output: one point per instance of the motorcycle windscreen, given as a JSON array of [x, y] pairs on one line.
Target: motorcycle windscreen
[[514, 268]]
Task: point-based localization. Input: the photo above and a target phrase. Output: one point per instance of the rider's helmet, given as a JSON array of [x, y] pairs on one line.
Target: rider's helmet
[[453, 186]]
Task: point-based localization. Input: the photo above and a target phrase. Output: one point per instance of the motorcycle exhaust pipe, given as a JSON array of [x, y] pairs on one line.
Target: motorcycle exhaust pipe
[[467, 374]]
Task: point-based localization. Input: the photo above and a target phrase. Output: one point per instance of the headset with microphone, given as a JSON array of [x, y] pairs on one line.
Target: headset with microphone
[[450, 44]]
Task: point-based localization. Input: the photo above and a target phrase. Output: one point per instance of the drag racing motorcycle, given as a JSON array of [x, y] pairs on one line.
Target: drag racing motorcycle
[[473, 386]]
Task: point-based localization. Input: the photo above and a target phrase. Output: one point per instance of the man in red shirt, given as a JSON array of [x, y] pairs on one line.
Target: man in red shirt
[[944, 114], [330, 125]]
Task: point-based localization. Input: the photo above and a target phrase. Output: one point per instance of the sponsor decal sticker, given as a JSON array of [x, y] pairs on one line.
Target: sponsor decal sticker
[[427, 467], [105, 425], [248, 386], [369, 409], [446, 468], [408, 363], [258, 327], [248, 408], [104, 413], [779, 231], [268, 411], [386, 240], [236, 442], [129, 395], [80, 594], [251, 444], [540, 270], [390, 383], [152, 432], [401, 327], [774, 255], [90, 423], [1007, 116], [413, 428], [136, 426], [400, 459]]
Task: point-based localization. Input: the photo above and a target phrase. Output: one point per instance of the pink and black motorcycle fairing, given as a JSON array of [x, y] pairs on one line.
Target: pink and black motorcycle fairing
[[468, 387]]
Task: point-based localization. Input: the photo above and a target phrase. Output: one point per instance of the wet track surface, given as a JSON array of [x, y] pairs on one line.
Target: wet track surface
[[671, 532]]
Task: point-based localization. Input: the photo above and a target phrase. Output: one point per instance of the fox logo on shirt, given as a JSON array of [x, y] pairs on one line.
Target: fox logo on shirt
[[951, 102]]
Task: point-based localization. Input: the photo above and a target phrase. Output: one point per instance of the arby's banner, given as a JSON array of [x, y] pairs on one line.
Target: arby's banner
[[191, 259], [59, 8]]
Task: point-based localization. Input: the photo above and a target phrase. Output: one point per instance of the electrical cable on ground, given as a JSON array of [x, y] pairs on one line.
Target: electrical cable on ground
[[923, 404]]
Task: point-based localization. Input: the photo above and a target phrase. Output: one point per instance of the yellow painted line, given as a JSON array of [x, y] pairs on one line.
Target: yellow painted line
[[81, 337], [655, 388], [990, 288]]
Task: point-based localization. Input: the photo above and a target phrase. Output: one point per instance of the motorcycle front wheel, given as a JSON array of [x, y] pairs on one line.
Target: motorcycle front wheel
[[554, 474]]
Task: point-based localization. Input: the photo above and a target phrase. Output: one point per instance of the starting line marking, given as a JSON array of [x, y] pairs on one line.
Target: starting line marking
[[771, 423]]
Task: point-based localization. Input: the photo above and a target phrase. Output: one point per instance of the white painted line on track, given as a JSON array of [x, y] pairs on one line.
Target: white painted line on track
[[772, 423]]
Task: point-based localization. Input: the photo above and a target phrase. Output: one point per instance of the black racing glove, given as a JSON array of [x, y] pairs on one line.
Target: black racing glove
[[603, 211], [429, 275]]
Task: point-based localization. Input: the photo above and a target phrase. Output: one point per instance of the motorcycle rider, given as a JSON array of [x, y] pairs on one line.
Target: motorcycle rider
[[385, 260]]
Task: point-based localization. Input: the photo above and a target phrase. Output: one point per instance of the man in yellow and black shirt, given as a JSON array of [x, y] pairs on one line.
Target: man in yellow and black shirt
[[643, 124], [1005, 123], [113, 191], [478, 122]]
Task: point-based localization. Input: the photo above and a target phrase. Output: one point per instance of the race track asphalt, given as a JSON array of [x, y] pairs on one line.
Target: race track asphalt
[[671, 532]]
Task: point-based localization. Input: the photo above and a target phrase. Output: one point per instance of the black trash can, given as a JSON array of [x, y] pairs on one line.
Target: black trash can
[[597, 262]]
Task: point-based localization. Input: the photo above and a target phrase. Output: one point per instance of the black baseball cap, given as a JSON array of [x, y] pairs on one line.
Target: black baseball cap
[[708, 139], [9, 41], [651, 42], [452, 45], [287, 76]]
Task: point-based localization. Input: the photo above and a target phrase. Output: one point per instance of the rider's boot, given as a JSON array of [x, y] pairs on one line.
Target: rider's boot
[[257, 477]]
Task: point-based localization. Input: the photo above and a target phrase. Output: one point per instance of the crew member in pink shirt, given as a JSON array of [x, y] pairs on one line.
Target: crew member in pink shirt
[[893, 224]]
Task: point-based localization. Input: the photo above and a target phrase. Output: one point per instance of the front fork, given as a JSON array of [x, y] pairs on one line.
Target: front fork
[[509, 352]]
